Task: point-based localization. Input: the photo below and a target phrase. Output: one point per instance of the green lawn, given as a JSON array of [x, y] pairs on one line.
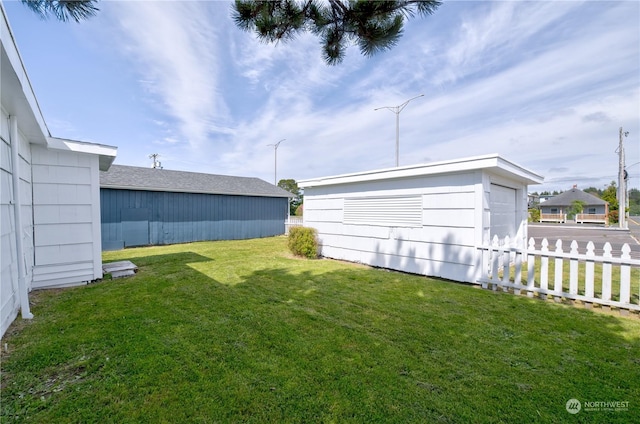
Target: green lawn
[[240, 331]]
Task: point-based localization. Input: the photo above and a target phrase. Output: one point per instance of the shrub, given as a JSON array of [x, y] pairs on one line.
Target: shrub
[[534, 215], [299, 210], [303, 241]]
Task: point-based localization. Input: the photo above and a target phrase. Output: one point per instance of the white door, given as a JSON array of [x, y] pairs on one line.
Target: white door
[[502, 204]]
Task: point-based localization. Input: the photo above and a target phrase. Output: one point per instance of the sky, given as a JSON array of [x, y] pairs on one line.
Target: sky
[[545, 84]]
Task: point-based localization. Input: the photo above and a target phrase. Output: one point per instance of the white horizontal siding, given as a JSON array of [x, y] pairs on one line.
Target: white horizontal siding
[[62, 214], [57, 234], [325, 203], [459, 236], [441, 252], [64, 254], [6, 188], [451, 218], [442, 183], [453, 270], [449, 200], [9, 294], [66, 192], [326, 215], [9, 301], [63, 275], [42, 156], [439, 242], [61, 174]]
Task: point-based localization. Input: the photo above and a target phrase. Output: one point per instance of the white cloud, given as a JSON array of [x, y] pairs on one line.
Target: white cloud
[[546, 84], [175, 48]]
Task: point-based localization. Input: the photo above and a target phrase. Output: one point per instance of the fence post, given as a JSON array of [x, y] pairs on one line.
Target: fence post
[[625, 276], [517, 278], [485, 266], [557, 281], [531, 266], [495, 262], [544, 267], [506, 263], [606, 273], [589, 273], [573, 269]]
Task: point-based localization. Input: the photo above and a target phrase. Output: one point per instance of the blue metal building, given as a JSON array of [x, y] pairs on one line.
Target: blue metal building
[[145, 206]]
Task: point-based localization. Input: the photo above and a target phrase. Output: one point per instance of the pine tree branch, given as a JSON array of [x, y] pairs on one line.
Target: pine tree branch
[[63, 10], [372, 25]]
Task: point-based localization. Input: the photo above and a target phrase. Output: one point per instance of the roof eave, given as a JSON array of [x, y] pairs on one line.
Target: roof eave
[[492, 162], [17, 93], [107, 154], [177, 190]]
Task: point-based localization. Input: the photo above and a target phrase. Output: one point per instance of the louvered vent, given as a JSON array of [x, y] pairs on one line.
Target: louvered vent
[[395, 211]]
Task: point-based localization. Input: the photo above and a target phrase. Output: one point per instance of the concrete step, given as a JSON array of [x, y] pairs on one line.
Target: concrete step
[[120, 269]]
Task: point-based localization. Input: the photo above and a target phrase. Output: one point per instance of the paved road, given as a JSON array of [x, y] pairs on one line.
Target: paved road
[[634, 227], [598, 235]]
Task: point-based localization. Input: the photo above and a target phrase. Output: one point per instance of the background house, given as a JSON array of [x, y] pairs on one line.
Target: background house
[[425, 219], [49, 195], [147, 206], [557, 208]]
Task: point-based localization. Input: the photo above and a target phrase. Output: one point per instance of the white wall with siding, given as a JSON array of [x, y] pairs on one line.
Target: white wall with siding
[[443, 244], [66, 218], [58, 194], [9, 295], [454, 216]]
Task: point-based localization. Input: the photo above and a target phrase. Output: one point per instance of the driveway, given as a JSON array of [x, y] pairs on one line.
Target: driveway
[[584, 234]]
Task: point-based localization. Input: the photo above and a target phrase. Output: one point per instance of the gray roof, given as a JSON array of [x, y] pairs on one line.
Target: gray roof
[[149, 179], [568, 197]]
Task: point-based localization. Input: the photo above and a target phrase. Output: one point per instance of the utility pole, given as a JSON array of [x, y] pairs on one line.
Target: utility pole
[[156, 162], [622, 182]]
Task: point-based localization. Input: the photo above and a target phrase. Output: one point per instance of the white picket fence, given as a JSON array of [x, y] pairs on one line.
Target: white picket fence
[[292, 221], [501, 265]]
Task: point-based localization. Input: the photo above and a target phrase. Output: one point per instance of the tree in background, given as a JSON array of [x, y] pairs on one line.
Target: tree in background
[[577, 206], [63, 10], [634, 202], [594, 191], [634, 197], [292, 187], [373, 26], [610, 194]]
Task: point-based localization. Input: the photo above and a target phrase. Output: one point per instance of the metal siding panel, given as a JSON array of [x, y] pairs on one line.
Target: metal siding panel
[[186, 217], [135, 226]]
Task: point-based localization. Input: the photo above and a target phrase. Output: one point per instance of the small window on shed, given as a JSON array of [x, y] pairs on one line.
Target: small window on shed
[[592, 211], [392, 211], [554, 210]]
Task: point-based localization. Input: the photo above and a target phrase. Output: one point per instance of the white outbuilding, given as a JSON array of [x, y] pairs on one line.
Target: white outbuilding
[[425, 219], [49, 195]]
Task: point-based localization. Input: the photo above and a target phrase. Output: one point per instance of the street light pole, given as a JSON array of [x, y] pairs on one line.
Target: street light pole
[[275, 160], [397, 110], [622, 182]]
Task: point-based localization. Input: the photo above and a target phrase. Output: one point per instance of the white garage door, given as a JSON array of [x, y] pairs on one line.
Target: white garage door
[[503, 211]]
